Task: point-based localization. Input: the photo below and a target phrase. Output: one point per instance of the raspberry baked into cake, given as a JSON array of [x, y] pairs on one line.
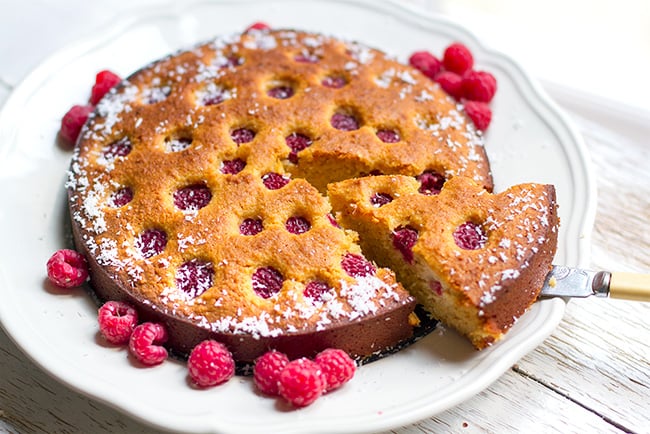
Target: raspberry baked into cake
[[198, 186]]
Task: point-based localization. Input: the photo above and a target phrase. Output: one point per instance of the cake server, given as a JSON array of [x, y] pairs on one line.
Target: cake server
[[574, 282]]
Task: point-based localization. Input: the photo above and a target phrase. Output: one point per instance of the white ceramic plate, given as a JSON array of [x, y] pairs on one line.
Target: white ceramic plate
[[529, 140]]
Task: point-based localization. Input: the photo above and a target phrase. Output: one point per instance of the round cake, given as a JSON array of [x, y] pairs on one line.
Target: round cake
[[197, 190]]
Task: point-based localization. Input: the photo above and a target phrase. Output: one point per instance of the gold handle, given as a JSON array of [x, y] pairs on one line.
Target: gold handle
[[630, 286]]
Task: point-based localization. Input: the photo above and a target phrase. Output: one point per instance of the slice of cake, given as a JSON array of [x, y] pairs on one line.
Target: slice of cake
[[474, 260]]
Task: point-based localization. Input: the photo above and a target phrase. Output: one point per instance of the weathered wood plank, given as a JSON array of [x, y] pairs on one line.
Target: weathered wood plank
[[600, 354]]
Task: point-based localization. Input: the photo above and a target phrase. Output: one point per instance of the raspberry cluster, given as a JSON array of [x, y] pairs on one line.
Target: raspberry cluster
[[77, 116], [456, 75], [302, 381]]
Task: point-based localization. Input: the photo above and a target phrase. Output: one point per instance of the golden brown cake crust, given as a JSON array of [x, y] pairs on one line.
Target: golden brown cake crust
[[483, 291]]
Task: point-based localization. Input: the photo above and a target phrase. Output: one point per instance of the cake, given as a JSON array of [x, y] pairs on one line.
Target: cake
[[196, 190], [475, 260]]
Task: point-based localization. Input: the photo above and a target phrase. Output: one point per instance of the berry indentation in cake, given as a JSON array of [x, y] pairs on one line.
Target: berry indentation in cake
[[388, 136], [306, 57], [315, 290], [267, 281], [470, 236], [297, 142], [121, 197], [242, 135], [151, 242], [195, 277], [297, 225], [357, 266], [431, 182], [118, 148], [156, 94], [251, 226], [280, 89], [334, 81], [232, 167], [380, 199], [344, 121], [193, 197], [404, 238], [177, 144], [212, 94], [274, 181], [333, 221]]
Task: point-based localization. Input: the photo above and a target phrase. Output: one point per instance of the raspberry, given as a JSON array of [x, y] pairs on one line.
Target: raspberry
[[380, 199], [470, 236], [334, 81], [301, 382], [344, 122], [357, 266], [280, 92], [143, 343], [388, 136], [194, 277], [67, 268], [232, 167], [435, 286], [333, 221], [121, 197], [404, 239], [267, 369], [337, 367], [307, 57], [457, 58], [151, 242], [242, 135], [431, 182], [274, 181], [479, 86], [315, 290], [104, 81], [251, 227], [426, 62], [258, 26], [192, 197], [479, 113], [267, 281], [297, 142], [297, 225], [72, 122], [116, 321], [451, 83], [210, 363], [118, 148]]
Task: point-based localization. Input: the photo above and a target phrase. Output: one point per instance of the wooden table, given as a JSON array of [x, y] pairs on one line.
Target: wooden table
[[591, 375]]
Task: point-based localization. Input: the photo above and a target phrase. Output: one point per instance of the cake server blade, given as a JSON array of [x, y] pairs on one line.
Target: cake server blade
[[565, 281]]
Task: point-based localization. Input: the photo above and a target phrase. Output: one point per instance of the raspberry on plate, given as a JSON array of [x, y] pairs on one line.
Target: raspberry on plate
[[259, 25], [210, 364], [457, 58], [104, 81], [337, 367], [116, 321], [72, 122], [144, 343], [267, 369], [480, 113], [451, 83], [426, 62], [479, 86], [67, 268], [301, 382]]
